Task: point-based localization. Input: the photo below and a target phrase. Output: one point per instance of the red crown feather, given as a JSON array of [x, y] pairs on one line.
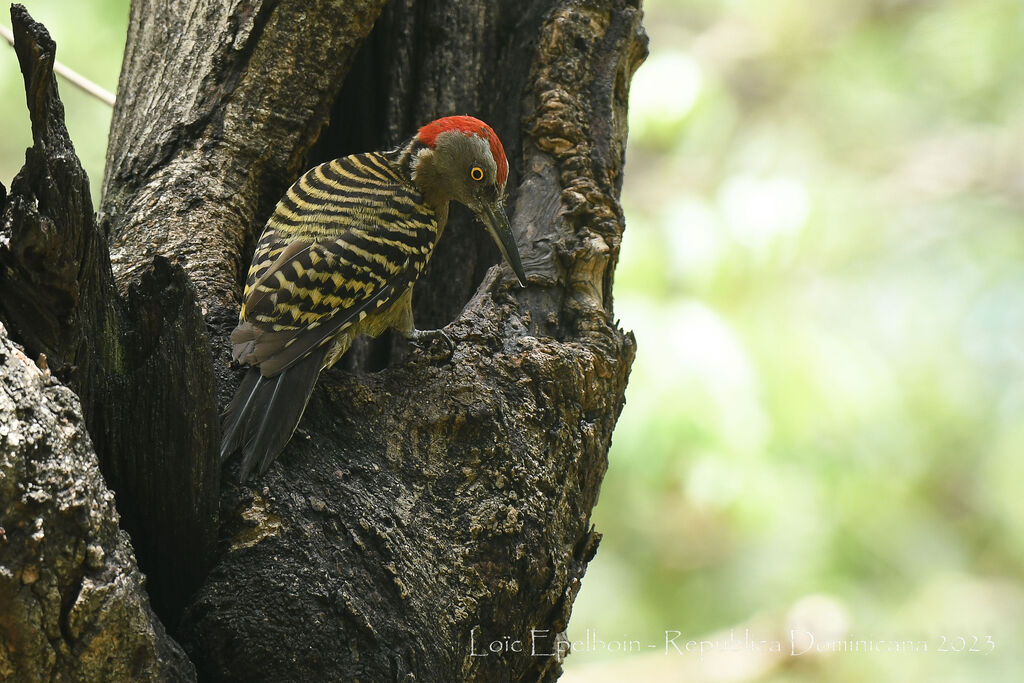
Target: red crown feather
[[467, 125]]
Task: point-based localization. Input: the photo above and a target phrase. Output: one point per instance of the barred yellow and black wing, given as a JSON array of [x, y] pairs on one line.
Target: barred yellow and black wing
[[346, 241], [348, 238]]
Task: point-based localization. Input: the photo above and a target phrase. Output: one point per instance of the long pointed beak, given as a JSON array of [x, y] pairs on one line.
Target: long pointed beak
[[494, 219]]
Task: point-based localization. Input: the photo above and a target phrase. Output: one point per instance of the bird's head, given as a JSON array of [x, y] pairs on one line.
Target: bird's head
[[461, 158]]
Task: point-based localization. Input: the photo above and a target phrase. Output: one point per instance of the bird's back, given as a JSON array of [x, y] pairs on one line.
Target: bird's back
[[339, 257], [343, 246], [346, 240]]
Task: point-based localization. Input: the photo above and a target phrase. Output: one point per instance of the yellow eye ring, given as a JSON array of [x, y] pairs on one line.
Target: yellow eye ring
[[476, 173]]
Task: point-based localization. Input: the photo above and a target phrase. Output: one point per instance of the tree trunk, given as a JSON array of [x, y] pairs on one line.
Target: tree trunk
[[72, 602], [428, 506]]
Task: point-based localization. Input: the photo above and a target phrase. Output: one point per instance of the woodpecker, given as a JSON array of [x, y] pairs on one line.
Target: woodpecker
[[339, 257]]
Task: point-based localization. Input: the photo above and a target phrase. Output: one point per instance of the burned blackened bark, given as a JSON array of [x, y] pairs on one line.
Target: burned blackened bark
[[428, 508], [72, 602], [140, 364]]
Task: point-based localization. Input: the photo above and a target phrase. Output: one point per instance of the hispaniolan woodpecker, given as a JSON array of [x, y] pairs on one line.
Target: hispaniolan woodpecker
[[339, 258]]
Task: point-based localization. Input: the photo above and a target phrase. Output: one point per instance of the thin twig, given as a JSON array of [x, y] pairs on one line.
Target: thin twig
[[72, 76]]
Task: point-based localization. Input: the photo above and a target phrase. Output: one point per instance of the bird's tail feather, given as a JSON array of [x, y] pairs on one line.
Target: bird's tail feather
[[265, 411]]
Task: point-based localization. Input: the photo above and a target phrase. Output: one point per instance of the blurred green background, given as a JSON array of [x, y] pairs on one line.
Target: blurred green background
[[824, 268], [90, 39]]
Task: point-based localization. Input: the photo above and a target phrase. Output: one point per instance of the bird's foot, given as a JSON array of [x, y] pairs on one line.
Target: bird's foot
[[424, 341]]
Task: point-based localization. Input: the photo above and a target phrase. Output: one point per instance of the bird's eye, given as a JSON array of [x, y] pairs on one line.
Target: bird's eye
[[476, 173]]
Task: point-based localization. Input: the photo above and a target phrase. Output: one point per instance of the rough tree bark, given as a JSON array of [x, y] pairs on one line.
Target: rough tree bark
[[72, 603], [426, 503]]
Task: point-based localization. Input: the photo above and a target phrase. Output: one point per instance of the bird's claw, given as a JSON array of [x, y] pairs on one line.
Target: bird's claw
[[424, 339]]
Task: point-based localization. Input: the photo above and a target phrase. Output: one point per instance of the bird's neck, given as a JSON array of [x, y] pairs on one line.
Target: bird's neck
[[405, 157], [413, 160]]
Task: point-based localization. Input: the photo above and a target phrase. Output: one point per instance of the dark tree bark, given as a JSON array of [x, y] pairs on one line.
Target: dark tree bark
[[428, 505], [72, 602], [140, 363]]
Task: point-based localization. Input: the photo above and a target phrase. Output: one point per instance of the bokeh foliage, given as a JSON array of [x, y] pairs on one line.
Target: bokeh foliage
[[90, 37], [824, 267]]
